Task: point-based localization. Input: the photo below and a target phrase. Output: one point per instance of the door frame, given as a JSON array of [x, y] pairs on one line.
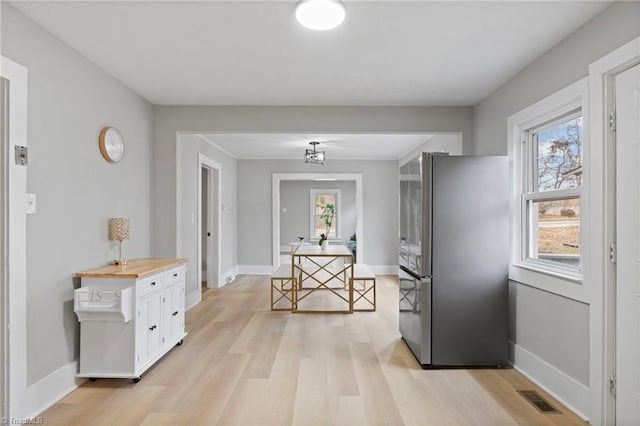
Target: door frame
[[602, 206], [4, 249], [14, 229], [215, 206], [275, 214]]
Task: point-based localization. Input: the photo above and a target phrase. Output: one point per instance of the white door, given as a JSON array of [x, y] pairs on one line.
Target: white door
[[209, 203], [212, 230], [627, 92], [205, 226]]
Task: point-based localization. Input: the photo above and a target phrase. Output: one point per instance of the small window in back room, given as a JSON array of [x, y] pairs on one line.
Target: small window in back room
[[320, 198]]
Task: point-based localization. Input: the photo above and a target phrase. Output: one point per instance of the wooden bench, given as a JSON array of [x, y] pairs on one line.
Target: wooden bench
[[282, 288], [365, 291]]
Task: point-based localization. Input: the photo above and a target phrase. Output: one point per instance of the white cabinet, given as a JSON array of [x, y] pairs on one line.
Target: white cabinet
[[112, 347]]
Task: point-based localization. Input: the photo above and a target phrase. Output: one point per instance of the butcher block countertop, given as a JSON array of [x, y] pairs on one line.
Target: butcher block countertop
[[137, 268]]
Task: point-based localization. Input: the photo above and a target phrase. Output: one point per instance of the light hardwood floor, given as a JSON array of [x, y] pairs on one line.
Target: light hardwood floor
[[245, 365]]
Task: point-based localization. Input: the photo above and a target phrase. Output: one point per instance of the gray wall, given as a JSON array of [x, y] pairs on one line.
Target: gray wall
[[295, 197], [169, 120], [70, 100], [189, 147], [551, 327], [380, 194], [562, 65]]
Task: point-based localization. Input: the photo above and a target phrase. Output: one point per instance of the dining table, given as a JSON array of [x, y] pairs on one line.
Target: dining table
[[325, 270]]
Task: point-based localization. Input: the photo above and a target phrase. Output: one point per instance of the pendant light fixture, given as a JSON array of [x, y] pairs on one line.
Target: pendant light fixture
[[312, 156], [320, 14]]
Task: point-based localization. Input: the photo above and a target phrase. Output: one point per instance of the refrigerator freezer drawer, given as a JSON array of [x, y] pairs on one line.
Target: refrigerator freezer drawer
[[415, 315]]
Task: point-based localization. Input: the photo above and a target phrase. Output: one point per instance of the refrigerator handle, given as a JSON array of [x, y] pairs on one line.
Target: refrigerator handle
[[410, 272]]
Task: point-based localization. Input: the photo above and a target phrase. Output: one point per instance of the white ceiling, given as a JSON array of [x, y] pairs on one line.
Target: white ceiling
[[254, 53], [336, 146]]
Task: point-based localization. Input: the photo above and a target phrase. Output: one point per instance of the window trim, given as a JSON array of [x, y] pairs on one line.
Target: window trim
[[534, 272], [313, 193]]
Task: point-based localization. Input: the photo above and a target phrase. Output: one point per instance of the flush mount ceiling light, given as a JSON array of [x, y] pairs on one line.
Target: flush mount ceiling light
[[312, 156], [320, 14]]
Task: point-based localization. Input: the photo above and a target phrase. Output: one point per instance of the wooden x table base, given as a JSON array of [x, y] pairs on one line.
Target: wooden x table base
[[317, 269]]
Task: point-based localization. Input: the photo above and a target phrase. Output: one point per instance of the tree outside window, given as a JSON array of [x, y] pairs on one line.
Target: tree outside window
[[553, 185]]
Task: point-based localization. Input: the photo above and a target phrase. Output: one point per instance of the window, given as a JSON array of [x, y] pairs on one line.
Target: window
[[320, 199], [547, 150], [553, 158]]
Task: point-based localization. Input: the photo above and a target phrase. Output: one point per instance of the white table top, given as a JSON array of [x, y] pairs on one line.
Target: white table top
[[316, 250]]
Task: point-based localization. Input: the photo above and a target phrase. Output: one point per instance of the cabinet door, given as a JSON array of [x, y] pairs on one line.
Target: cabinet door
[[142, 334], [148, 327], [155, 306], [177, 311], [173, 314]]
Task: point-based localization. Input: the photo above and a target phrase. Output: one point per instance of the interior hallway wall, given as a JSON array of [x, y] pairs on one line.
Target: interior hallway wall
[[70, 100], [170, 120], [295, 197]]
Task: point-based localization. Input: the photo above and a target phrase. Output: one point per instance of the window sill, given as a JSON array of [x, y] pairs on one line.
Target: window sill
[[561, 283], [574, 277]]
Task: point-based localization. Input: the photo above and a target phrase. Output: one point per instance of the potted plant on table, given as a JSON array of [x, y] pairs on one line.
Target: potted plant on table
[[328, 212]]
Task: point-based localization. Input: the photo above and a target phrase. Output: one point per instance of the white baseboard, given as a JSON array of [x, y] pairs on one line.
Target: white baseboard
[[573, 394], [46, 392], [384, 269], [255, 269], [192, 299], [228, 277]]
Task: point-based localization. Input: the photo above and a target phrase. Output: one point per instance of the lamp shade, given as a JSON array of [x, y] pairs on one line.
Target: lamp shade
[[119, 228]]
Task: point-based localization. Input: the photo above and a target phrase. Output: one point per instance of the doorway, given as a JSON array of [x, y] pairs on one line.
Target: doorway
[[13, 226], [277, 178], [614, 90], [209, 208]]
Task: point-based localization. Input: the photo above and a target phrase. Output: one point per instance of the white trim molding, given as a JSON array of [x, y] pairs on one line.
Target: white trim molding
[[548, 279], [4, 250], [575, 395], [214, 167], [49, 390], [275, 212], [20, 403], [192, 299], [599, 273], [313, 193], [255, 269]]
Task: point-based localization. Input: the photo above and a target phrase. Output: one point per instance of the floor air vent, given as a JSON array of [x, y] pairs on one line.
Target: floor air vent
[[538, 401]]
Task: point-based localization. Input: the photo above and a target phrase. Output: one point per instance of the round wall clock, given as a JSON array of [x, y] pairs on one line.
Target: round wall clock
[[111, 144]]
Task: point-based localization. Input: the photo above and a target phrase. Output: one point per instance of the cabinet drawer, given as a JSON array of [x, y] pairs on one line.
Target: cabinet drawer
[[149, 284], [173, 276]]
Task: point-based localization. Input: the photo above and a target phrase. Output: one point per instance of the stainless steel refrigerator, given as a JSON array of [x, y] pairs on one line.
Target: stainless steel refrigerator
[[454, 259]]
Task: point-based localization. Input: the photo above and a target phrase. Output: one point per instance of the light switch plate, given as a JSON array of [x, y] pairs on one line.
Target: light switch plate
[[31, 203]]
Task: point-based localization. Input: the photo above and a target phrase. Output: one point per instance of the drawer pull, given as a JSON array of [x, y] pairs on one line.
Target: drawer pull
[[153, 283], [153, 327], [175, 275], [175, 313]]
